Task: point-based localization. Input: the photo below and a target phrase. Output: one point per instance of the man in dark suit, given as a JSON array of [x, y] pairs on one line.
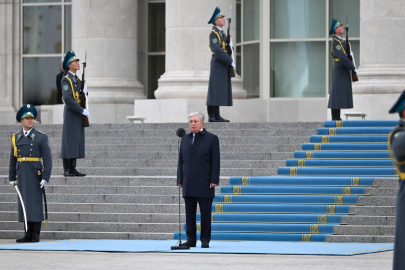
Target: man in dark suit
[[198, 174]]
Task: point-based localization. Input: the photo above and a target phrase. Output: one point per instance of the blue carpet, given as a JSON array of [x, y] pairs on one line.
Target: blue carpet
[[354, 131], [287, 248], [342, 155], [348, 139], [339, 163], [361, 123]]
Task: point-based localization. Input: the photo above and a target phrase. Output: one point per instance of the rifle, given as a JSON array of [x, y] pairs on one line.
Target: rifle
[[348, 51], [228, 40], [84, 102]]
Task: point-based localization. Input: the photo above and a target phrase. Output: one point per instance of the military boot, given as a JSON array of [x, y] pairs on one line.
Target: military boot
[[36, 231], [211, 114], [66, 168], [28, 234], [73, 168], [218, 117]]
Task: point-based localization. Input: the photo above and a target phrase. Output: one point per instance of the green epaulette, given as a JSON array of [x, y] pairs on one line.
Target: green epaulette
[[41, 132]]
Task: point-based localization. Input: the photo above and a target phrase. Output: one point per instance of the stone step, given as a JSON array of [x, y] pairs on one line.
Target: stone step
[[99, 227], [55, 142], [225, 148], [103, 217], [167, 155], [122, 171], [175, 126], [162, 163], [61, 235], [373, 210], [368, 220], [377, 200], [381, 191], [277, 132], [106, 190], [101, 198], [360, 238], [364, 230], [112, 181], [103, 207], [386, 182]]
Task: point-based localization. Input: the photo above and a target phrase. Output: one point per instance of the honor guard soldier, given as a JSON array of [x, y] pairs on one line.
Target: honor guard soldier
[[27, 148], [73, 141], [220, 87], [396, 148], [341, 96]]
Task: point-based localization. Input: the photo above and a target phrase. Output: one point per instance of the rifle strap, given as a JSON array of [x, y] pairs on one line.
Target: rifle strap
[[14, 145], [75, 94], [220, 42]]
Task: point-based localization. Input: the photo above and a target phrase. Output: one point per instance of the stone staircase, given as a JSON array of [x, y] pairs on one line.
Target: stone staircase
[[130, 190]]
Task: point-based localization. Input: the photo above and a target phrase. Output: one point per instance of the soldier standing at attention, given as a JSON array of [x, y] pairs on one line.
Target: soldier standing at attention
[[396, 143], [220, 87], [341, 96], [27, 148], [73, 144]]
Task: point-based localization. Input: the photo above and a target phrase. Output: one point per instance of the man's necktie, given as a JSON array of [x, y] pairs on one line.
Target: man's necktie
[[26, 133], [193, 139]]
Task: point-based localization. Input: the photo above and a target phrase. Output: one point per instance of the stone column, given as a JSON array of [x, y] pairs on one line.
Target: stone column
[[10, 57], [187, 49], [108, 30], [382, 66]]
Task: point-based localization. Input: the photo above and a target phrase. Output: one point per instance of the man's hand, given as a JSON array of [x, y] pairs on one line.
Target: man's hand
[[231, 44], [233, 64], [12, 182], [180, 185], [86, 112], [42, 184], [212, 185], [85, 89], [356, 71]]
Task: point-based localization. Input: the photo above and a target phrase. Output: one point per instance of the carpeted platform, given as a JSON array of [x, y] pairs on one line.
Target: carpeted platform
[[235, 247]]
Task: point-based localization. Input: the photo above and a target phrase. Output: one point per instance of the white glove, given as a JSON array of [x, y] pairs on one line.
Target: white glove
[[85, 89], [231, 44], [356, 71], [86, 112], [42, 184], [12, 182], [351, 53], [233, 64]]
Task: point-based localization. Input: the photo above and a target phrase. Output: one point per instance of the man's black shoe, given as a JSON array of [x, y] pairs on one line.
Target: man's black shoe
[[205, 245], [26, 238], [220, 119], [77, 173], [69, 173], [212, 118], [188, 244], [35, 238]]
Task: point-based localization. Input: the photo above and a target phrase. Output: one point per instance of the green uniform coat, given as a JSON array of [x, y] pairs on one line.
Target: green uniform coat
[[73, 140], [341, 96], [30, 174], [219, 86], [397, 143]]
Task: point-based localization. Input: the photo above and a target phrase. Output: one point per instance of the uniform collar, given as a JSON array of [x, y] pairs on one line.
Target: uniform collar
[[217, 29], [338, 37], [71, 73], [23, 131]]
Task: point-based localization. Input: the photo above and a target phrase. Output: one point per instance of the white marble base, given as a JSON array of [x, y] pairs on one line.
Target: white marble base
[[297, 110], [7, 116], [376, 106], [243, 110]]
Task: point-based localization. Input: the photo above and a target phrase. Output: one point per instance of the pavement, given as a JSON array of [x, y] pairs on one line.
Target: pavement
[[47, 260]]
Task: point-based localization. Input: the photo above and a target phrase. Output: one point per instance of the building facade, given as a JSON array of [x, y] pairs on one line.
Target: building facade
[[150, 58]]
